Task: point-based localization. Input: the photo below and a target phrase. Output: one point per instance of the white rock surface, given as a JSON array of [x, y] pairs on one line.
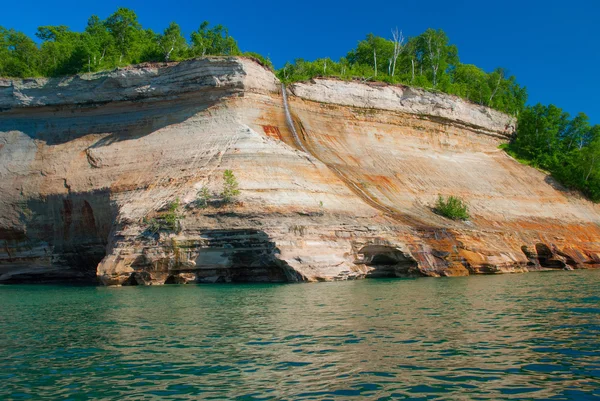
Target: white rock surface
[[406, 100], [137, 83]]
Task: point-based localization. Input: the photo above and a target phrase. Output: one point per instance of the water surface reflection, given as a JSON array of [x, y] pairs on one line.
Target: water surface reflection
[[509, 336]]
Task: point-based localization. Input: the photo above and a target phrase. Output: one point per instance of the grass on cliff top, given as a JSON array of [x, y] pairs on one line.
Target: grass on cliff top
[[510, 150], [507, 148]]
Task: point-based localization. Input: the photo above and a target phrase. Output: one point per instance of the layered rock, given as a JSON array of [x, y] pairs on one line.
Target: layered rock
[[87, 163]]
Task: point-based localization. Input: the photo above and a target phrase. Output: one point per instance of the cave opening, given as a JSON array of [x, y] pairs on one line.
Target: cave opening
[[386, 261], [63, 238], [131, 280]]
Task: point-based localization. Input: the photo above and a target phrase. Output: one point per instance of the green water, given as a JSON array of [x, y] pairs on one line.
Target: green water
[[521, 336]]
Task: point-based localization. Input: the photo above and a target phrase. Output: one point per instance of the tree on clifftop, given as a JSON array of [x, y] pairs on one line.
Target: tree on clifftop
[[374, 51], [18, 55], [58, 54], [99, 44], [438, 53], [172, 44], [116, 41], [213, 41], [124, 27]]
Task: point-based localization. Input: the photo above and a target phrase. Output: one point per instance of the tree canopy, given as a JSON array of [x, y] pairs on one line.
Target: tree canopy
[[117, 41], [569, 148], [428, 60]]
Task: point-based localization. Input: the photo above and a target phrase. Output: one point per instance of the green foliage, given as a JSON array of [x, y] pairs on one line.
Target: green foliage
[[265, 62], [568, 148], [373, 51], [172, 44], [126, 32], [452, 207], [203, 197], [167, 220], [172, 216], [117, 41], [230, 187], [427, 61], [19, 55], [213, 41]]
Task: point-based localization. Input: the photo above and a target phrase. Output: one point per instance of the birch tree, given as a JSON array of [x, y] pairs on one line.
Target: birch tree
[[577, 131], [171, 42], [398, 40], [375, 60], [213, 41], [124, 26], [592, 153], [99, 43], [374, 51], [434, 52], [497, 76], [438, 52]]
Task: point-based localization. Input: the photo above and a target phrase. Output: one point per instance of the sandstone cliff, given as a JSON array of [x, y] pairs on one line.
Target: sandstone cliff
[[87, 161]]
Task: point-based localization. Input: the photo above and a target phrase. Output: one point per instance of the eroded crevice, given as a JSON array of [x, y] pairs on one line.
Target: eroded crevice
[[549, 259]]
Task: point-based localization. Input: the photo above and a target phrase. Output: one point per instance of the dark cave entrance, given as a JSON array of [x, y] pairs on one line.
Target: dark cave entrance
[[386, 261]]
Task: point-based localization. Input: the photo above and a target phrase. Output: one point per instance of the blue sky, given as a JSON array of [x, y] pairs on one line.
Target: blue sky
[[553, 47]]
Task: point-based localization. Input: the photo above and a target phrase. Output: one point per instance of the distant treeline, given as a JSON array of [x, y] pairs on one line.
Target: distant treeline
[[546, 137], [427, 61], [119, 40]]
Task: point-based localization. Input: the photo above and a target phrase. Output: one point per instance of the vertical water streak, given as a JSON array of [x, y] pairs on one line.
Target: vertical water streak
[[290, 122], [364, 195]]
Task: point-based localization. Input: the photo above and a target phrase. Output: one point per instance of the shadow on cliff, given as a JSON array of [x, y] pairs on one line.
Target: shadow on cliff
[[119, 121], [64, 238], [562, 189], [556, 185], [221, 256]]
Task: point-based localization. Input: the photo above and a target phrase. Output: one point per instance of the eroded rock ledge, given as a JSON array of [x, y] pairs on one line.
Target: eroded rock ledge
[[87, 161], [150, 81], [404, 99]]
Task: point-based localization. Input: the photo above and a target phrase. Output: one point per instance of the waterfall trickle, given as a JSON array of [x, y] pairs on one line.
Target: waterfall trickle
[[349, 183], [290, 122]]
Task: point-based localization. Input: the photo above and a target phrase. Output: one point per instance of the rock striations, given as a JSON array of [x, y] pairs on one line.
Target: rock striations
[[87, 164]]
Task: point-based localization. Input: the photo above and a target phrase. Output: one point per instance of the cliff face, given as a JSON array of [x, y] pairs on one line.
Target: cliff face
[[86, 162]]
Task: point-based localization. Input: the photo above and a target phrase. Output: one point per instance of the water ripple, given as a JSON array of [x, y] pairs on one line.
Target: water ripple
[[533, 336]]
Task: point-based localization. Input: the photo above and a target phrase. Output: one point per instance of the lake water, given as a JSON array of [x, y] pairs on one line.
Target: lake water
[[526, 336]]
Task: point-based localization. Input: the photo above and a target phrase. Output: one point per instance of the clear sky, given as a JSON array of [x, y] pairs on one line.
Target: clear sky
[[553, 47]]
